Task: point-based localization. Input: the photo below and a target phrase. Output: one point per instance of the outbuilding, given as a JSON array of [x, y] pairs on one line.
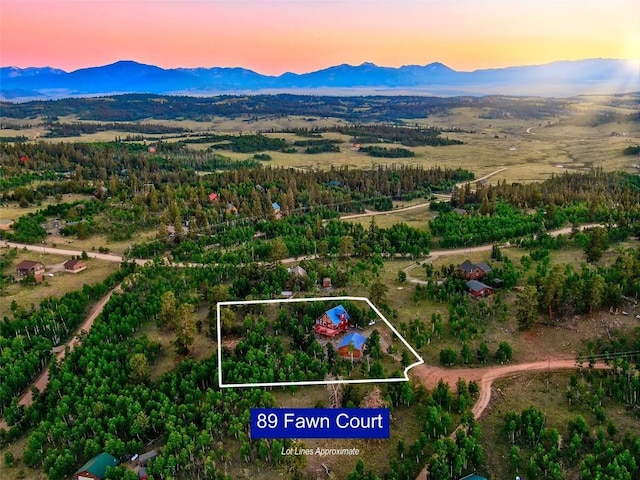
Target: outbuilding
[[478, 289], [74, 265], [352, 345]]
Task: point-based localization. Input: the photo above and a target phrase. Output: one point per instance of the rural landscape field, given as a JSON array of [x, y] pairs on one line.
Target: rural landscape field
[[497, 235]]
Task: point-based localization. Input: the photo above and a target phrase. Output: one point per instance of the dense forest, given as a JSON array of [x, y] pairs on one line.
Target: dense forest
[[136, 107]]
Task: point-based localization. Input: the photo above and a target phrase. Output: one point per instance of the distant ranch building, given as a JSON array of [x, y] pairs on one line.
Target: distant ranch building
[[74, 266], [334, 322], [6, 224], [27, 267]]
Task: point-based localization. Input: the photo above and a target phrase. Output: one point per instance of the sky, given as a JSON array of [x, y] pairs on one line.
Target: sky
[[275, 36]]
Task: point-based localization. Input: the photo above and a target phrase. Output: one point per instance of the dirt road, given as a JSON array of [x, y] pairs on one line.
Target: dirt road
[[369, 213], [42, 380]]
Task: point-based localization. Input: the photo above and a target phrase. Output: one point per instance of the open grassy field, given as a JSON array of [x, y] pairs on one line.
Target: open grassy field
[[13, 211], [52, 286], [531, 150]]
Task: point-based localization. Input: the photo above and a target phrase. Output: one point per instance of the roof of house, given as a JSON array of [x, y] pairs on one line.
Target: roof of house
[[335, 312], [213, 196], [354, 339], [72, 263], [6, 222], [299, 271], [27, 264], [275, 206], [467, 266], [483, 266], [473, 476], [476, 286], [97, 466], [460, 211]]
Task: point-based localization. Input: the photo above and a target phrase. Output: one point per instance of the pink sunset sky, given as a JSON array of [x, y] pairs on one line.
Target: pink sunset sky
[[275, 36]]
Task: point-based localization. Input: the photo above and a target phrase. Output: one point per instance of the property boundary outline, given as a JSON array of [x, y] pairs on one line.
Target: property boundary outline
[[419, 361]]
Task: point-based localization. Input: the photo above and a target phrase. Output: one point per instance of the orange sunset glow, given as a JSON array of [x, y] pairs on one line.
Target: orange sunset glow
[[272, 37]]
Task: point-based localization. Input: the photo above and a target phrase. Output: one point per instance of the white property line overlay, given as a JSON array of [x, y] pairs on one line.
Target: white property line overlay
[[311, 382]]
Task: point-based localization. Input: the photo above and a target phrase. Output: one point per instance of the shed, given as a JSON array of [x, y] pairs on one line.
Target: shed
[[276, 207], [352, 345], [213, 196], [326, 282], [145, 457], [96, 468]]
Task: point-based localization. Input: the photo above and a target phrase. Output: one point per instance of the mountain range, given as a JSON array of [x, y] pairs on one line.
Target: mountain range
[[562, 78]]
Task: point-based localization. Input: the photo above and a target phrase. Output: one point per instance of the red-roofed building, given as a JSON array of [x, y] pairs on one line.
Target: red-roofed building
[[74, 265], [27, 267], [213, 197]]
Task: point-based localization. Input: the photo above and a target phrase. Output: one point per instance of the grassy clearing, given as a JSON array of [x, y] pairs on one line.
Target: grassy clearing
[[417, 218], [13, 211], [18, 471], [56, 286], [94, 242]]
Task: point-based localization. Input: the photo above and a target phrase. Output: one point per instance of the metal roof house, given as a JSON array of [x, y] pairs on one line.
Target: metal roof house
[[96, 468], [478, 289], [473, 271], [352, 345], [333, 322]]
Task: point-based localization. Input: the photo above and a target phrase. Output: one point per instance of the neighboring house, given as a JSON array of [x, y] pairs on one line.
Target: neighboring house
[[482, 183], [213, 197], [326, 282], [478, 289], [473, 271], [100, 193], [27, 267], [298, 271], [461, 211], [352, 345], [333, 322], [96, 468], [75, 265], [6, 224], [276, 208], [232, 209]]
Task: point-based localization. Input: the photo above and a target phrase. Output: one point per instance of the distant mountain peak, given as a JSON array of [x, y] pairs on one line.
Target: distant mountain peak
[[561, 78]]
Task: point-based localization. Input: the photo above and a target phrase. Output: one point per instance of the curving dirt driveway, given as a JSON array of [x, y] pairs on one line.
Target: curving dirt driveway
[[430, 376]]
